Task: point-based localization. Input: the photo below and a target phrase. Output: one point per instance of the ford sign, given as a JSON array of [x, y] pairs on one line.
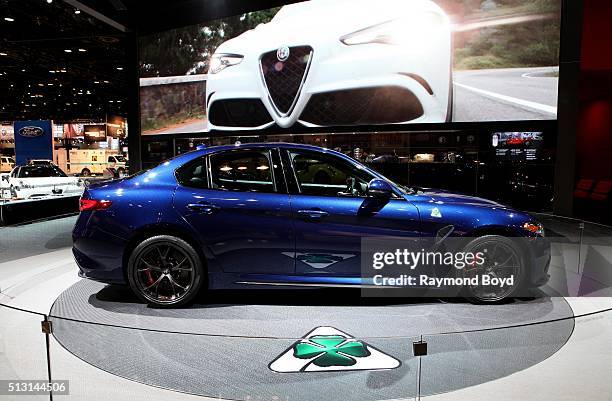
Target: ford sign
[[31, 132]]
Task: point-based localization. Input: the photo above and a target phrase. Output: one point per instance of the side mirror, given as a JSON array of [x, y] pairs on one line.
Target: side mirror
[[379, 189]]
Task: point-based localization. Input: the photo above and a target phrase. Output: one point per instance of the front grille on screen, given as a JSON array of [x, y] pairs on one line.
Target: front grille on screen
[[284, 78], [378, 105]]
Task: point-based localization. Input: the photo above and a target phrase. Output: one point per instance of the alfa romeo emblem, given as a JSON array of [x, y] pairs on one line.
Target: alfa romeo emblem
[[282, 54]]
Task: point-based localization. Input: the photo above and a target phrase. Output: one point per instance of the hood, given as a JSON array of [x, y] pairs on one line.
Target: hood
[[439, 195], [315, 21]]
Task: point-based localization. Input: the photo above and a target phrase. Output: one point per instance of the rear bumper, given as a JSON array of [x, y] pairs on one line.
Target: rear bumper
[[111, 273], [98, 253]]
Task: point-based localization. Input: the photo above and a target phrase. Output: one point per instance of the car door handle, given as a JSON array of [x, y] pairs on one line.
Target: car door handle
[[205, 208], [312, 214]]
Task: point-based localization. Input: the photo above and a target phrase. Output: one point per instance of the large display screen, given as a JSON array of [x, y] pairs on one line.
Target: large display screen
[[517, 145], [327, 63]]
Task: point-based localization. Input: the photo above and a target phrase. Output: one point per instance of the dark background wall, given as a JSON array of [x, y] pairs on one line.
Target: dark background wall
[[592, 195], [594, 131]]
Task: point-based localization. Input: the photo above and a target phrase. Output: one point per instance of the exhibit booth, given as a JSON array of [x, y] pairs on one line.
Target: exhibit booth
[[324, 200]]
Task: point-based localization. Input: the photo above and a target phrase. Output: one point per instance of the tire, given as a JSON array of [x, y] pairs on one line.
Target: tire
[[120, 172], [85, 172], [165, 271], [508, 250]]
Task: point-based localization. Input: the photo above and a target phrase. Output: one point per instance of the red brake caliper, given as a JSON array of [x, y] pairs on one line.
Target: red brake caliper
[[150, 280]]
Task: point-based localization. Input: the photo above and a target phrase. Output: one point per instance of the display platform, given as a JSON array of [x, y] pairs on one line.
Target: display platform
[[251, 344], [27, 210]]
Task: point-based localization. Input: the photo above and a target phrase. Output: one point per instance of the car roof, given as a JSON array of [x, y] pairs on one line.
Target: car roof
[[268, 145]]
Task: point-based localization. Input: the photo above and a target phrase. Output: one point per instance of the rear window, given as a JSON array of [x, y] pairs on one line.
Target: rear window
[[40, 171]]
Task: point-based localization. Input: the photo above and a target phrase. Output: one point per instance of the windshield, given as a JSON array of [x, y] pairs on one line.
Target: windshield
[[404, 189]]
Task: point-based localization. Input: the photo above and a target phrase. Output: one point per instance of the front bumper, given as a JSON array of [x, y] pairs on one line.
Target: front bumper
[[540, 263]]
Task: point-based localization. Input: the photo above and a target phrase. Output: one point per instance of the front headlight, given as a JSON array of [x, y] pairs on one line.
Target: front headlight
[[219, 62], [534, 227], [413, 29]]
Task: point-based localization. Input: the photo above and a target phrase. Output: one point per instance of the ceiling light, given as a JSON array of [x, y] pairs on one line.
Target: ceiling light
[[106, 82], [68, 50], [9, 19], [63, 70], [49, 1], [52, 71], [120, 68], [77, 11], [96, 82], [4, 54], [82, 50]]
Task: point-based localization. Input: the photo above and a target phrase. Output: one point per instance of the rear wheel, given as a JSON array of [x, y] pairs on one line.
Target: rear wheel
[[165, 271], [503, 259], [85, 172]]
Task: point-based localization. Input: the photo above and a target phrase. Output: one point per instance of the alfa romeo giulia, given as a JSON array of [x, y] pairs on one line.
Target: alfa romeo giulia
[[279, 215]]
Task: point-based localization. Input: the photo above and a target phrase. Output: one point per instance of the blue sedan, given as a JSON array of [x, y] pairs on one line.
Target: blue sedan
[[274, 215]]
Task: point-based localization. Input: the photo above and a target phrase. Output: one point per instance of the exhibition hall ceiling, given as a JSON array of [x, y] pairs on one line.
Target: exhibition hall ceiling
[[59, 62]]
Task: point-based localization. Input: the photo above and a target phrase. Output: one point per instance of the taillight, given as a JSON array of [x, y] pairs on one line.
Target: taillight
[[94, 204]]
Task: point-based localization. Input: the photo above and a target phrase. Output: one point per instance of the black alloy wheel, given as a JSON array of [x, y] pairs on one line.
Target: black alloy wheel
[[503, 259], [165, 271]]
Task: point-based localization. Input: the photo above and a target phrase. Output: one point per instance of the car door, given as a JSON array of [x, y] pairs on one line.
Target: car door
[[237, 203], [332, 213]]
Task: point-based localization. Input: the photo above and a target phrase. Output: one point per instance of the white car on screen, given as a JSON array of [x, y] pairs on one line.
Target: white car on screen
[[40, 181], [327, 63]]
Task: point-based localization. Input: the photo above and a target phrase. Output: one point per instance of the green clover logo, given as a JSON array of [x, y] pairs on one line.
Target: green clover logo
[[330, 350]]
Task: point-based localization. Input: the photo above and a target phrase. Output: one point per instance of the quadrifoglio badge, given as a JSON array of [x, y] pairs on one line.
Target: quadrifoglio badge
[[327, 349]]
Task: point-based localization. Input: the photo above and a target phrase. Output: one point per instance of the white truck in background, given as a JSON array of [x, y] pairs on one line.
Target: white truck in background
[[86, 162], [7, 163]]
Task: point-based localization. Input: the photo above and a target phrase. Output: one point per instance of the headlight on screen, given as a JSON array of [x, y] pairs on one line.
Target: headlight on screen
[[534, 228], [399, 31], [219, 62]]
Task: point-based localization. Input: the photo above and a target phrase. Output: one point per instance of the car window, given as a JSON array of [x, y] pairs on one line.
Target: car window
[[39, 171], [246, 171], [328, 175], [57, 172], [110, 159], [193, 174]]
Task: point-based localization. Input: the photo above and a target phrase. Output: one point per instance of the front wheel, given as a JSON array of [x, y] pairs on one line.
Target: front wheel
[[165, 271], [504, 259]]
